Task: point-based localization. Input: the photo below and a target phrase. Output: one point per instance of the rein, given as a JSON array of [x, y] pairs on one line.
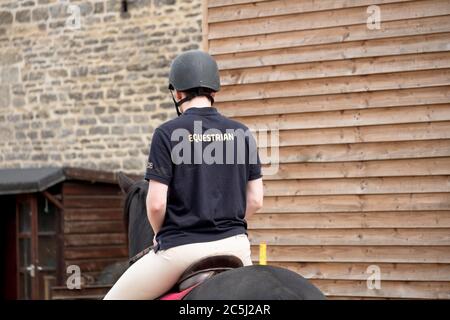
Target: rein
[[139, 255]]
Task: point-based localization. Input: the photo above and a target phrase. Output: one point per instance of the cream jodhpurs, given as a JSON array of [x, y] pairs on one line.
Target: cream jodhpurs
[[156, 273]]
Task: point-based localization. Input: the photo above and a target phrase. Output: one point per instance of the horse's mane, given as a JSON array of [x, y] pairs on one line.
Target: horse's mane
[[140, 187]]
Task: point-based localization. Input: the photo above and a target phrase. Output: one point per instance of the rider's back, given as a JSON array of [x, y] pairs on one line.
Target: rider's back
[[207, 160]]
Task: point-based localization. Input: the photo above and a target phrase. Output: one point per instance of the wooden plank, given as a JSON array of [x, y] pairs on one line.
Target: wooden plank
[[89, 175], [107, 226], [344, 101], [92, 277], [359, 271], [358, 298], [86, 292], [350, 220], [349, 118], [340, 68], [406, 167], [283, 7], [99, 252], [353, 237], [361, 151], [205, 23], [222, 3], [357, 203], [78, 297], [327, 52], [298, 88], [54, 199], [385, 185], [392, 289], [85, 189], [382, 133], [93, 214], [92, 265], [316, 20], [93, 201], [335, 35], [365, 254], [100, 239]]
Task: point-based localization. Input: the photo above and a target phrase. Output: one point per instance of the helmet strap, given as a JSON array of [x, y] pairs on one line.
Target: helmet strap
[[190, 97], [177, 104]]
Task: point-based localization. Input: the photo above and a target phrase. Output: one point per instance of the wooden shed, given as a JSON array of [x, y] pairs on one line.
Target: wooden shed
[[55, 217], [364, 125]]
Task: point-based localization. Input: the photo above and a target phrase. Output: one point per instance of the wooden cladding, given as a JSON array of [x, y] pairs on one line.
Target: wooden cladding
[[273, 23], [363, 118], [342, 34], [94, 234]]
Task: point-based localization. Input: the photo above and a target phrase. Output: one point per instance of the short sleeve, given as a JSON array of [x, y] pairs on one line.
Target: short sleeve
[[254, 163], [159, 165]]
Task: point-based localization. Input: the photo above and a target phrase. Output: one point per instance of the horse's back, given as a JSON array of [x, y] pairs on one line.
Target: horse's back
[[256, 283]]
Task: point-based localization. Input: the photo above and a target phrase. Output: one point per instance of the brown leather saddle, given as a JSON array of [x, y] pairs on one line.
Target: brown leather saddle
[[206, 268], [201, 270]]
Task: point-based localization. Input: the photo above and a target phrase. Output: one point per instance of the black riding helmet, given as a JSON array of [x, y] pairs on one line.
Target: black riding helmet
[[196, 73]]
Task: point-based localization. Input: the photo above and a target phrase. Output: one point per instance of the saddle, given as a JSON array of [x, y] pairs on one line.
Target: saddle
[[199, 272], [205, 268]]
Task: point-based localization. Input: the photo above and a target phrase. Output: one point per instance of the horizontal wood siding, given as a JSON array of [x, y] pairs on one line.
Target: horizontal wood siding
[[94, 234], [364, 136]]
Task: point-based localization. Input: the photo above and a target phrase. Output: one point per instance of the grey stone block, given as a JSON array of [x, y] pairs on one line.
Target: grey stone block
[[94, 95], [160, 3], [9, 57], [23, 16], [40, 14], [113, 94], [99, 130], [78, 96], [99, 7], [45, 134], [9, 75], [117, 130], [18, 102], [4, 96], [47, 98], [132, 164], [58, 10], [6, 17]]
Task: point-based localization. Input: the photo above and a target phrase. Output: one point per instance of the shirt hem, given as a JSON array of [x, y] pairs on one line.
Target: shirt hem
[[203, 238]]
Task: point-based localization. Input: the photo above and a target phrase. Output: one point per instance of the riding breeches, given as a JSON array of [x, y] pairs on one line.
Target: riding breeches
[[156, 273]]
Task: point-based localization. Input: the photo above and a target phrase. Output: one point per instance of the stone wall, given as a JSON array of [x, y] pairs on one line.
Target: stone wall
[[90, 96]]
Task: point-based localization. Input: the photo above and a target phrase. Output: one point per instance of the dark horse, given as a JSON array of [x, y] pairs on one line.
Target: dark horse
[[245, 283]]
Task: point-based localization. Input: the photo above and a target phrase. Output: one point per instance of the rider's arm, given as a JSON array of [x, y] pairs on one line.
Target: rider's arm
[[159, 175], [254, 197], [254, 185], [156, 204]]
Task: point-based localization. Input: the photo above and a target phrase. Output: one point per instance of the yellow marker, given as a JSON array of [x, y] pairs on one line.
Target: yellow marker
[[262, 254]]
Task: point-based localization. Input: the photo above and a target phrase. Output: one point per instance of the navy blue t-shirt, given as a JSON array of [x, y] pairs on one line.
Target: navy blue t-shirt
[[206, 160]]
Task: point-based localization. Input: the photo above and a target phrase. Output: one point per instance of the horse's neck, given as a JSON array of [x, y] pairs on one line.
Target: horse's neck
[[140, 234]]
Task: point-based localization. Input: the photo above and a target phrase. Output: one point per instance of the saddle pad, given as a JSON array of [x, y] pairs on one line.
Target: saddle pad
[[177, 295]]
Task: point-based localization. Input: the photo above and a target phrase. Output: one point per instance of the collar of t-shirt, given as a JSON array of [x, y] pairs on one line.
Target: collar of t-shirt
[[201, 111]]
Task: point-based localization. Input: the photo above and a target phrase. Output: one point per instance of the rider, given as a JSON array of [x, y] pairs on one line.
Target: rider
[[204, 179]]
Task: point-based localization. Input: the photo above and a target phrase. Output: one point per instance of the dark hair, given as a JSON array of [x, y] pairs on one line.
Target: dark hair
[[197, 92]]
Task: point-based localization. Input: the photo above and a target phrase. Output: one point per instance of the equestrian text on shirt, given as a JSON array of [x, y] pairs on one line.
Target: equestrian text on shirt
[[237, 144]]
